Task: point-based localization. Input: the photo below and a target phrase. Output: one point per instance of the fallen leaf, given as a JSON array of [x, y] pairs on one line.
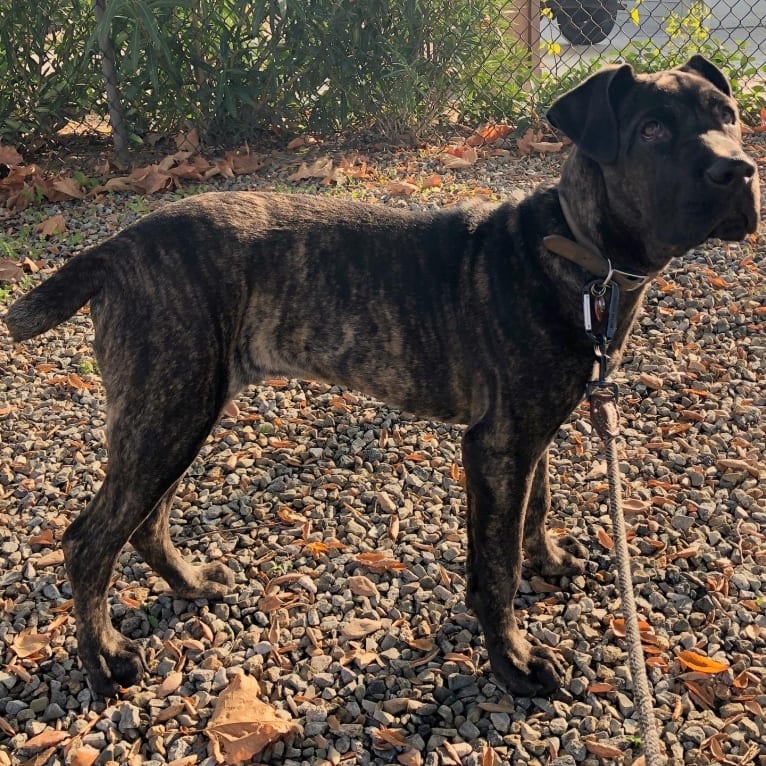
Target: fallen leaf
[[54, 225], [45, 739], [361, 627], [433, 181], [601, 687], [170, 684], [9, 156], [50, 559], [456, 157], [84, 756], [44, 538], [242, 726], [388, 737], [29, 643], [320, 168], [401, 187], [633, 506], [602, 750], [618, 627], [489, 134], [547, 146], [10, 271], [379, 562], [650, 381], [700, 663], [69, 188], [410, 758], [605, 539], [188, 142]]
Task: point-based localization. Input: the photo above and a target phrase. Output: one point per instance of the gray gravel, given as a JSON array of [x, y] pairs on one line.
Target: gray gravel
[[308, 477]]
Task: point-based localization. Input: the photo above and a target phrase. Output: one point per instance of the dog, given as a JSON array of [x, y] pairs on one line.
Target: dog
[[471, 315]]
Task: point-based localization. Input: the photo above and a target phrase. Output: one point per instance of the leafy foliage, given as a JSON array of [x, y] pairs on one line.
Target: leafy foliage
[[234, 67]]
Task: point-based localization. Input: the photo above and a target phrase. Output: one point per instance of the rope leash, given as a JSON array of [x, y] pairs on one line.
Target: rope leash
[[603, 403], [600, 304]]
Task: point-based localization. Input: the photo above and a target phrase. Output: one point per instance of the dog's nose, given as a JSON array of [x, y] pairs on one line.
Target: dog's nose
[[726, 171]]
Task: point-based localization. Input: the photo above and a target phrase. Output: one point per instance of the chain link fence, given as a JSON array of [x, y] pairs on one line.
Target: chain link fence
[[235, 68]]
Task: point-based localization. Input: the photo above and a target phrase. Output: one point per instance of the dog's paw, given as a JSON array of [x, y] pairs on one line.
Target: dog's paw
[[526, 670], [211, 581], [117, 664], [559, 557]]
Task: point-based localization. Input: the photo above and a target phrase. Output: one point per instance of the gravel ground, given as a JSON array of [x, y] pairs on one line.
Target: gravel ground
[[343, 521]]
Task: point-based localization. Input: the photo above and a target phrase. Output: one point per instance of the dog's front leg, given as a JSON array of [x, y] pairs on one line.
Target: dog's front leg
[[499, 476], [548, 556]]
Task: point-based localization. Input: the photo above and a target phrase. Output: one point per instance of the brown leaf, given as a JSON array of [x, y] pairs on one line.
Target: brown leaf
[[84, 756], [29, 643], [489, 756], [650, 381], [188, 142], [50, 559], [45, 739], [9, 156], [605, 539], [44, 538], [77, 382], [379, 562], [383, 738], [68, 187], [633, 506], [601, 687], [700, 663], [431, 182], [401, 187], [361, 627], [618, 627], [530, 137], [458, 157], [602, 750], [547, 146], [242, 726], [410, 758], [54, 225], [170, 684], [539, 585], [320, 168], [10, 271]]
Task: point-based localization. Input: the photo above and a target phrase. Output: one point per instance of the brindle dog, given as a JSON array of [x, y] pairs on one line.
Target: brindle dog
[[463, 315]]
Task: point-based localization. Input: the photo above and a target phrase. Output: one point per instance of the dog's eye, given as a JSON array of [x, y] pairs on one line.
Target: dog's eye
[[727, 116], [653, 130]]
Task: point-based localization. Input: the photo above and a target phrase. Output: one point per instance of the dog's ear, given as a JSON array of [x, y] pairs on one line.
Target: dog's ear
[[588, 113], [700, 65]]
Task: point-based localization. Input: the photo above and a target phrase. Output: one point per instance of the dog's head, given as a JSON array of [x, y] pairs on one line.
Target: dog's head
[[669, 149]]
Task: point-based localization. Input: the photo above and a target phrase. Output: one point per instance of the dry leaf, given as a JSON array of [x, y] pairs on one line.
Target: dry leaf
[[401, 187], [69, 188], [9, 156], [410, 758], [383, 738], [54, 225], [618, 627], [632, 506], [489, 756], [379, 562], [242, 726], [170, 684], [84, 756], [547, 146], [45, 739], [360, 628], [321, 168], [604, 538], [44, 538], [603, 750], [700, 663], [10, 271], [601, 687], [650, 381], [458, 157], [50, 559], [29, 643], [432, 182]]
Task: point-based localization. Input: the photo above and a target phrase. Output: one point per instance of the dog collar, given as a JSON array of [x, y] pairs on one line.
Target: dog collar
[[587, 256]]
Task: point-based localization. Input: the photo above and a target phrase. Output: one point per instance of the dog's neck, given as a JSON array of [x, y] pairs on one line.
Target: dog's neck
[[583, 197]]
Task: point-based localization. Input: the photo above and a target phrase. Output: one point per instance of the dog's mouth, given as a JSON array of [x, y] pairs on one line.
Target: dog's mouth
[[735, 227]]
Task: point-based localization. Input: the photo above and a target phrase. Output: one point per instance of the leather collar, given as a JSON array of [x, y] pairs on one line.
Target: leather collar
[[582, 252]]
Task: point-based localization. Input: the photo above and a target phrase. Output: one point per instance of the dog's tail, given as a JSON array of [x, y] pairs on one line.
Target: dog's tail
[[56, 299]]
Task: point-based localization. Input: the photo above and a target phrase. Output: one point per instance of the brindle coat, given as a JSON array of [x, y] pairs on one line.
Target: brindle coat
[[460, 315]]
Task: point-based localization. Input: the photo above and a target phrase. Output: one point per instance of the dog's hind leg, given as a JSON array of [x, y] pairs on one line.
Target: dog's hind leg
[[152, 541], [152, 440], [551, 557]]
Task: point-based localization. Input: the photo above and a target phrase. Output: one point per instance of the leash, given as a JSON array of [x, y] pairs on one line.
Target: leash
[[600, 302]]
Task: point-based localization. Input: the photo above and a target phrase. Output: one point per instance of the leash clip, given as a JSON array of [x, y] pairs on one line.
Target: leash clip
[[600, 301]]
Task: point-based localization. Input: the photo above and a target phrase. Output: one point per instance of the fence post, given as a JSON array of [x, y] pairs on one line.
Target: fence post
[[116, 115], [524, 16]]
